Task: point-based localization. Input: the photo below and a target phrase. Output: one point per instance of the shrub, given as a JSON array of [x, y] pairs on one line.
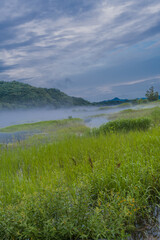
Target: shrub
[[125, 125]]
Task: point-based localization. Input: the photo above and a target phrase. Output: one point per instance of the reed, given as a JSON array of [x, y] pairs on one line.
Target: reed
[[88, 187]]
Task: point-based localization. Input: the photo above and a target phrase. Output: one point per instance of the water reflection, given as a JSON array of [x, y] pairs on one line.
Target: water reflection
[[14, 137]]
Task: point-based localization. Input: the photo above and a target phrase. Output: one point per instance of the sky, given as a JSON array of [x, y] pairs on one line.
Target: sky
[[95, 49]]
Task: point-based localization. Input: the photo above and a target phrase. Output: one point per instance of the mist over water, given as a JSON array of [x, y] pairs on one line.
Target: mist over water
[[92, 116], [9, 118]]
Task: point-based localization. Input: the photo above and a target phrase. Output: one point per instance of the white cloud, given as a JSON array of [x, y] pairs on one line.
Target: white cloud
[[109, 87], [11, 9], [70, 45], [157, 77]]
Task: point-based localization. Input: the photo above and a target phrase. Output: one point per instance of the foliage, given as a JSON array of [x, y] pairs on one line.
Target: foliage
[[151, 94], [141, 101], [152, 113], [79, 187], [124, 125], [19, 95]]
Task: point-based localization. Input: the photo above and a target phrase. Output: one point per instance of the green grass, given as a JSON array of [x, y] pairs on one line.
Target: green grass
[[69, 184], [124, 105], [46, 126], [106, 108], [116, 106], [98, 115], [78, 187], [48, 131], [152, 113], [125, 125]]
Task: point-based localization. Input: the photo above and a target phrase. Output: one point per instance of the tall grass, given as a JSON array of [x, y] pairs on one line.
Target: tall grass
[[140, 124], [80, 187], [151, 113]]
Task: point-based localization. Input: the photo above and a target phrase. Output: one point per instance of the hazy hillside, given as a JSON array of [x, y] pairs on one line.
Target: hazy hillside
[[114, 101], [16, 95]]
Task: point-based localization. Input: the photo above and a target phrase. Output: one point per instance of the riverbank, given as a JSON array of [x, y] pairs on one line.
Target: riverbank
[[77, 185]]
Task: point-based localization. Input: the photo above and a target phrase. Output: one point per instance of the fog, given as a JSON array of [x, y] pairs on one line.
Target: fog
[[92, 116], [8, 118]]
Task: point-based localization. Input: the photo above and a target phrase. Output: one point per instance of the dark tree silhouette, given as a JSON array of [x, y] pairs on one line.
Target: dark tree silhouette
[[151, 95]]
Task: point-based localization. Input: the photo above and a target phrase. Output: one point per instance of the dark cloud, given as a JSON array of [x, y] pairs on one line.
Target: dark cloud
[[94, 43], [4, 68]]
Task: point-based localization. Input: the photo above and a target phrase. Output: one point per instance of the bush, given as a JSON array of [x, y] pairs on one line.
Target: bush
[[80, 187], [125, 125]]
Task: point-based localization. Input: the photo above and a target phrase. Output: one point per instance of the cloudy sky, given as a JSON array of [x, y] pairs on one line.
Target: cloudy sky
[[93, 49]]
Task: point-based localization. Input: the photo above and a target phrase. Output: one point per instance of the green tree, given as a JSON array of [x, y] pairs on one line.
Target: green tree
[[151, 95]]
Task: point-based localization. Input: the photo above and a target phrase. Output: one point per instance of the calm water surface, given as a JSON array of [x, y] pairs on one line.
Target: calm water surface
[[8, 118]]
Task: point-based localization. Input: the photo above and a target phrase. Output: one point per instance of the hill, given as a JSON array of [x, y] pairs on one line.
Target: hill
[[114, 101], [20, 95]]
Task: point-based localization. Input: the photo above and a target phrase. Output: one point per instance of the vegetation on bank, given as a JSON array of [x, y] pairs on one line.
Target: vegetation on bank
[[123, 105], [46, 131], [46, 126], [125, 125], [80, 186], [152, 113]]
